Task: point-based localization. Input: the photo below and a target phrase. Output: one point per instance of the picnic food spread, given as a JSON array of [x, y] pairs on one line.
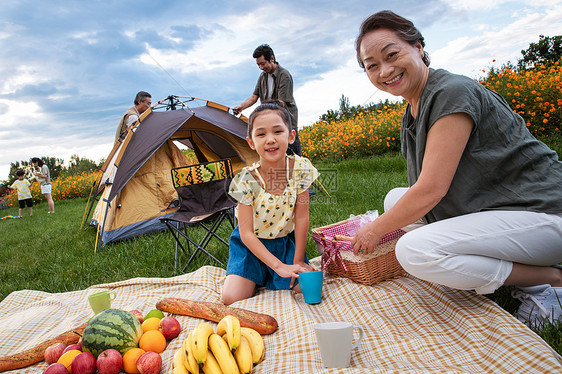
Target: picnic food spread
[[115, 339], [231, 349], [111, 340], [414, 326], [37, 353], [262, 323]]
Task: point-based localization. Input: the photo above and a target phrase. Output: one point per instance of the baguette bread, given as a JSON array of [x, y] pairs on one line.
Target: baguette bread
[[37, 353], [262, 323]]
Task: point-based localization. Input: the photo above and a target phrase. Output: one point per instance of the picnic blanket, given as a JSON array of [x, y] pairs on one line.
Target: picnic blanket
[[410, 325]]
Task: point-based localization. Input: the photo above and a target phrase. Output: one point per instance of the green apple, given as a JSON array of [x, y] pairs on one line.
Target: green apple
[[154, 313]]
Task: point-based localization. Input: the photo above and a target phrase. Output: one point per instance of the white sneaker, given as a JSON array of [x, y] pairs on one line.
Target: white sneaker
[[539, 304]]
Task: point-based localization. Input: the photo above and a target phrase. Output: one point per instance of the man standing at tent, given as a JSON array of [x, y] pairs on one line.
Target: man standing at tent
[[274, 83], [143, 101]]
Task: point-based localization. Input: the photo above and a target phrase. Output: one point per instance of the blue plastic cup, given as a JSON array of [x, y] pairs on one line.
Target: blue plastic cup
[[311, 286]]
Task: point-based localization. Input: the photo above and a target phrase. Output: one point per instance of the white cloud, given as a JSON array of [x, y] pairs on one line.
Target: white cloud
[[470, 55], [220, 49], [24, 75], [476, 5], [17, 114]]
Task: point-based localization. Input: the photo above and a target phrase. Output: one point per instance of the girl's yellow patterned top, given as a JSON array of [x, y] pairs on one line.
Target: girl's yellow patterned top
[[273, 214]]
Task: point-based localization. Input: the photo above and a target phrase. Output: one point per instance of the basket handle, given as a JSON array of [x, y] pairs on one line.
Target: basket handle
[[334, 224], [343, 237]]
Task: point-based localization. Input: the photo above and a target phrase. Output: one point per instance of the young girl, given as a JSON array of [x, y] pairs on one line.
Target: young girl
[[267, 248]]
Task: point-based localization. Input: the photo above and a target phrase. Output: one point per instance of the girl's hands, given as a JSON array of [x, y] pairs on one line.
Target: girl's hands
[[292, 271], [365, 240], [306, 266]]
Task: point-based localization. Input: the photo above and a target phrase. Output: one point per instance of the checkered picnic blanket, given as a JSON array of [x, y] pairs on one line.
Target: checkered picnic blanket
[[410, 325]]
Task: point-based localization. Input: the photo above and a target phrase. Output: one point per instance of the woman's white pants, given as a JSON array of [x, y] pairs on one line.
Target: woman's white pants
[[476, 251]]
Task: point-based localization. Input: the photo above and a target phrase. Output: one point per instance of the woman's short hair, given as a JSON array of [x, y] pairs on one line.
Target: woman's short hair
[[276, 105], [387, 19]]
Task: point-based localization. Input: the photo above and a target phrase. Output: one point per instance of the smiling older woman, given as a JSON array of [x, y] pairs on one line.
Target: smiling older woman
[[486, 192]]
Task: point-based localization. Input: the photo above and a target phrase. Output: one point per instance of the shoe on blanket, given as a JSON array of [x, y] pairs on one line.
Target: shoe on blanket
[[539, 304]]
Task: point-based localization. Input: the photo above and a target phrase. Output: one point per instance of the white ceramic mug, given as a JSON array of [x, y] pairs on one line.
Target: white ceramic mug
[[335, 340]]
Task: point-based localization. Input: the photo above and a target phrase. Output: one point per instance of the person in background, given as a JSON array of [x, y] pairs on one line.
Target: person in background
[[268, 247], [274, 83], [24, 193], [142, 102], [44, 178], [486, 192]]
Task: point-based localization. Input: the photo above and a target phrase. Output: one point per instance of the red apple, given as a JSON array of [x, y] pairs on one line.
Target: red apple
[[137, 314], [109, 362], [170, 327], [53, 352], [73, 346], [56, 368], [83, 363], [149, 363]]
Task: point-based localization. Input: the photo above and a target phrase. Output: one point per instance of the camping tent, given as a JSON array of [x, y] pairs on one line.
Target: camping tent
[[136, 187]]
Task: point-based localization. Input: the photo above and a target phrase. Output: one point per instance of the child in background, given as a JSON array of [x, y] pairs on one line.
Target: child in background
[[268, 247], [24, 193]]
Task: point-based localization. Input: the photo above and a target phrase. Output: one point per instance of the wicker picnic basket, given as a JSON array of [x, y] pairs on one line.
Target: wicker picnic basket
[[334, 243]]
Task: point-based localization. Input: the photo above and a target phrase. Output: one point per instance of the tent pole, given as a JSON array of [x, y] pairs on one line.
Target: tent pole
[[88, 205], [97, 236]]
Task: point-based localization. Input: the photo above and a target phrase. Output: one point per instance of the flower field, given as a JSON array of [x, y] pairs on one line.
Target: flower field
[[534, 94], [368, 133], [64, 187]]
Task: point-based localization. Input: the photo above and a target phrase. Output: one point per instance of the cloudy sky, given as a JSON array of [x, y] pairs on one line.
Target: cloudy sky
[[69, 69]]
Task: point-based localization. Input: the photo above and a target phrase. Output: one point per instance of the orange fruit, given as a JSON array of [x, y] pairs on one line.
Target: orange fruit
[[151, 324], [153, 340], [67, 357], [130, 360]]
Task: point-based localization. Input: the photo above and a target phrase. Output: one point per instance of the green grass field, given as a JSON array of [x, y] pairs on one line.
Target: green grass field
[[50, 253]]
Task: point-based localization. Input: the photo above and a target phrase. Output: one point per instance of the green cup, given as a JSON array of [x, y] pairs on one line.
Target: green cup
[[101, 301]]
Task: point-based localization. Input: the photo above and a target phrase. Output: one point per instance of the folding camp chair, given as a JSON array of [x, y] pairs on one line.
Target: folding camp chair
[[203, 201]]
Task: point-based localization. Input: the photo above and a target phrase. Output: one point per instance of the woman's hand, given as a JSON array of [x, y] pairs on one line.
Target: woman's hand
[[366, 239], [446, 142]]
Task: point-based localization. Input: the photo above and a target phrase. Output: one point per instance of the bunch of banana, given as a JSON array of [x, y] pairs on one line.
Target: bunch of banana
[[231, 349]]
